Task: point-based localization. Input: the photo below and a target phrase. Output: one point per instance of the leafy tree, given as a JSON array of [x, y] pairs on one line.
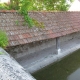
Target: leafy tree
[[13, 4], [61, 5]]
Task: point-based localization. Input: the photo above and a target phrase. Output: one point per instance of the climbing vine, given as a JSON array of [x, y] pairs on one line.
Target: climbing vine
[[31, 22], [24, 8]]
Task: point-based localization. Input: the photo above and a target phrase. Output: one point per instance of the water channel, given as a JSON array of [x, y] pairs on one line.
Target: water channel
[[66, 69]]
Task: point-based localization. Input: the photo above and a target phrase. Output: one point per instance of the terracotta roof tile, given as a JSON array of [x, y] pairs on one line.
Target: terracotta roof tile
[[14, 37], [64, 33], [76, 30], [11, 38], [26, 35], [25, 41], [21, 41], [56, 24], [30, 40], [54, 35], [33, 39], [50, 31], [35, 33], [21, 36], [13, 43]]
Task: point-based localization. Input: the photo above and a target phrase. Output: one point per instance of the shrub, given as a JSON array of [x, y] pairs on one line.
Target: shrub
[[3, 6], [3, 39]]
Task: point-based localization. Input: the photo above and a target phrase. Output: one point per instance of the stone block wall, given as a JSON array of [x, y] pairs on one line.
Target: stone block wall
[[22, 50]]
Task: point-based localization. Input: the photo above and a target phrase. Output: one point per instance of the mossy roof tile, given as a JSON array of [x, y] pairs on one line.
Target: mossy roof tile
[[56, 24]]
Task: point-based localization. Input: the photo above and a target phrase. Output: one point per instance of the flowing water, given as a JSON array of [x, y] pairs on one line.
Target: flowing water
[[66, 69]]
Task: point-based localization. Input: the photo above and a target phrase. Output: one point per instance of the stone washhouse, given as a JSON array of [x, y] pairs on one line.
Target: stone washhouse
[[35, 48]]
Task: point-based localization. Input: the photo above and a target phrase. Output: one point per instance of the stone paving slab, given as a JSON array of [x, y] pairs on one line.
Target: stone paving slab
[[10, 69]]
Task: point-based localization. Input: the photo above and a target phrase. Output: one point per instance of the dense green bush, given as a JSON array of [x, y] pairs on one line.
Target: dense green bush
[[3, 39], [3, 6]]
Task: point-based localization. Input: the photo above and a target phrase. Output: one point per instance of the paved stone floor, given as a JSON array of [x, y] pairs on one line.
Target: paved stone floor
[[47, 56], [10, 69]]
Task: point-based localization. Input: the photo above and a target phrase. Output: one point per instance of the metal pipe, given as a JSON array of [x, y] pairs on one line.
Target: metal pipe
[[58, 50]]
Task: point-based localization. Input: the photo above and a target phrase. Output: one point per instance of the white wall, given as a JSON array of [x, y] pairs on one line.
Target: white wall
[[4, 1]]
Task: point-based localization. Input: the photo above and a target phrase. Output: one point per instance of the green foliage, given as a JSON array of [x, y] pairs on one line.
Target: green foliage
[[17, 22], [27, 5], [38, 24], [13, 4], [28, 20], [1, 53], [24, 7], [3, 7], [24, 23], [59, 5], [3, 39]]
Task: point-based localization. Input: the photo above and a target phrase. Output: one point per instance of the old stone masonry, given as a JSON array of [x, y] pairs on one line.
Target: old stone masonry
[[10, 69]]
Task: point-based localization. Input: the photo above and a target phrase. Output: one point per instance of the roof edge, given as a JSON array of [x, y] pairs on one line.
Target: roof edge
[[8, 11], [12, 11]]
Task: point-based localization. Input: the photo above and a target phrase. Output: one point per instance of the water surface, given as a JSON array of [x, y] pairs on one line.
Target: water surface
[[66, 69]]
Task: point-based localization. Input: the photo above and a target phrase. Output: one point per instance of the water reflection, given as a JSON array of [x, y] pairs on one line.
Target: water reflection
[[66, 69], [75, 75]]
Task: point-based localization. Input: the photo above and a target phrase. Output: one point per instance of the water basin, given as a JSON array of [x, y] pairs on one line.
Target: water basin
[[66, 69]]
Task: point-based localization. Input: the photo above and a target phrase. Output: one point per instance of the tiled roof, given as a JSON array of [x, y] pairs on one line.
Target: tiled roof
[[56, 24]]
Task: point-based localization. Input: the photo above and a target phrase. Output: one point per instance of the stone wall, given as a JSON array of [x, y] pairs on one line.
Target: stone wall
[[22, 50], [70, 37]]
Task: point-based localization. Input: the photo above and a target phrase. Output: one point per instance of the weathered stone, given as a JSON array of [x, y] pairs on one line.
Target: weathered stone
[[10, 69]]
